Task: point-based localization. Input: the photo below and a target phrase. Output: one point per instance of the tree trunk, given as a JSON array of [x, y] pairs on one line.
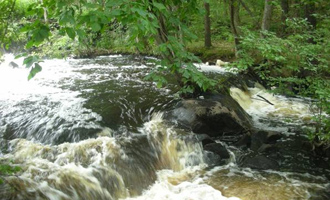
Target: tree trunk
[[45, 12], [234, 11], [309, 13], [267, 15], [207, 25], [246, 8], [284, 15]]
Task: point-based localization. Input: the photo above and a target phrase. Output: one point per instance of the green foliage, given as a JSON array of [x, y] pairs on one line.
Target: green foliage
[[10, 11], [145, 23], [32, 62], [296, 64], [6, 170], [320, 88]]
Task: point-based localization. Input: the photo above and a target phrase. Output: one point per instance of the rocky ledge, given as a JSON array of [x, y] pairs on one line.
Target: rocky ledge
[[219, 118]]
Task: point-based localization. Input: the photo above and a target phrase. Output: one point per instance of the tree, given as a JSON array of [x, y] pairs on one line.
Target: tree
[[6, 9], [284, 14], [267, 15], [297, 62], [310, 11], [45, 12], [158, 21], [207, 24], [234, 22]]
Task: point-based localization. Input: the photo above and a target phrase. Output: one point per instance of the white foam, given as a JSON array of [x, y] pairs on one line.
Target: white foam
[[112, 56], [186, 190], [211, 68], [286, 110]]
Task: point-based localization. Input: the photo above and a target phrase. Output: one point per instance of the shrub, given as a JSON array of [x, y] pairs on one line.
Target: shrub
[[296, 64]]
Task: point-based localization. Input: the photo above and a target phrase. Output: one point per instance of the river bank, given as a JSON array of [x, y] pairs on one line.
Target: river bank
[[63, 47]]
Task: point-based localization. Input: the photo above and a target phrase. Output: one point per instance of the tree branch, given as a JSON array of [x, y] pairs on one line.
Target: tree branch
[[246, 8]]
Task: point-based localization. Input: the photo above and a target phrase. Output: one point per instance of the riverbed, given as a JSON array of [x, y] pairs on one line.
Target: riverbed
[[94, 129]]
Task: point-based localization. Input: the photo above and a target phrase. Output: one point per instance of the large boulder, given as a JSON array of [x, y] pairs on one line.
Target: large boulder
[[215, 115]]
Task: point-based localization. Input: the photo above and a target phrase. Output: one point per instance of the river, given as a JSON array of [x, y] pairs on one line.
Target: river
[[93, 129]]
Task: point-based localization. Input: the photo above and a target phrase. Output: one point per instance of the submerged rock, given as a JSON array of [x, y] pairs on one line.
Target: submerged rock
[[216, 115], [205, 139], [244, 141], [260, 162], [267, 148], [218, 149], [13, 65], [263, 137]]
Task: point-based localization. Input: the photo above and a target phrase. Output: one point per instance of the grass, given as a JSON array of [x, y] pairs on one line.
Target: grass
[[223, 50]]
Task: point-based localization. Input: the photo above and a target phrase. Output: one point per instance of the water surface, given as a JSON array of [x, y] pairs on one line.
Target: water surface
[[93, 129]]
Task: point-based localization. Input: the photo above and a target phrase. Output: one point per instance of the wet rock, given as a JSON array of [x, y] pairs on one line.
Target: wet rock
[[13, 65], [263, 137], [260, 162], [6, 191], [216, 116], [322, 150], [294, 153], [327, 152], [218, 149], [212, 159], [4, 146], [307, 146], [322, 163], [268, 148], [244, 141], [205, 139]]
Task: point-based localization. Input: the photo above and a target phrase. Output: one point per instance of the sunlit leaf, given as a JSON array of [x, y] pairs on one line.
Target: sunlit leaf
[[34, 70], [71, 33], [159, 6], [28, 61], [29, 44]]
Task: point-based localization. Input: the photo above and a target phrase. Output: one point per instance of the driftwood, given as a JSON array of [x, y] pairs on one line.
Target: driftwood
[[265, 100]]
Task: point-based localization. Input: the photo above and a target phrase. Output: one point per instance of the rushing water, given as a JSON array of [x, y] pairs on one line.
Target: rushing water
[[93, 129]]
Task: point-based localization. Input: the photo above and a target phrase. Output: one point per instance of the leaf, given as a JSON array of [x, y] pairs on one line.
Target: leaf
[[67, 17], [45, 32], [159, 6], [115, 13], [159, 84], [205, 87], [91, 5], [96, 27], [139, 11], [36, 69], [29, 44], [186, 74], [25, 28], [20, 55], [113, 3], [28, 61], [81, 33], [7, 46], [71, 33], [60, 4]]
